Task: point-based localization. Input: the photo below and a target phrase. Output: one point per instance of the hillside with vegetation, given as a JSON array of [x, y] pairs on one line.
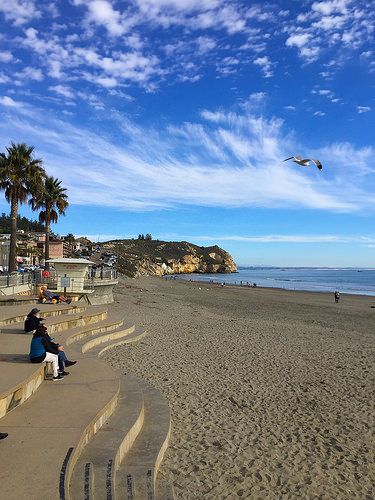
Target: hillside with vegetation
[[144, 256], [23, 223]]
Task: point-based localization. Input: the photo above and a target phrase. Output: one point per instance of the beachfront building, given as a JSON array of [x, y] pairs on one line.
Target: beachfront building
[[81, 245], [58, 248]]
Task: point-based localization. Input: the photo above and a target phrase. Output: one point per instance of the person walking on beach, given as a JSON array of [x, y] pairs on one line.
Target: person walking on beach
[[337, 296]]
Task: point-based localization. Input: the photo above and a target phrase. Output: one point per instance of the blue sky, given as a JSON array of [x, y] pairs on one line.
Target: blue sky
[[173, 117]]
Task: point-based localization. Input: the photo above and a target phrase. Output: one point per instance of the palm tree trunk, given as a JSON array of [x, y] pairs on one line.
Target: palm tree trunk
[[46, 248], [12, 265]]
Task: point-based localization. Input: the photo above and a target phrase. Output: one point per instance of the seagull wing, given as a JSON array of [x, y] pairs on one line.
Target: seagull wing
[[291, 158], [318, 164]]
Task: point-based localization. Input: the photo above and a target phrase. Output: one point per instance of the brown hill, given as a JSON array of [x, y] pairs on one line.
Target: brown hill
[[153, 257]]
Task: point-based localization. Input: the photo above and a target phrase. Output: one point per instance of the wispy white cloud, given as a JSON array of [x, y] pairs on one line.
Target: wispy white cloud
[[19, 12], [266, 65], [29, 73], [6, 56], [363, 109], [4, 78], [343, 24], [368, 241], [62, 90], [234, 161], [290, 238], [9, 102]]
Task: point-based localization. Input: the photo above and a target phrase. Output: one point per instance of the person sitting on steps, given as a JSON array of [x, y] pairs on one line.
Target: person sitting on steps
[[43, 349], [51, 297], [63, 360], [32, 321]]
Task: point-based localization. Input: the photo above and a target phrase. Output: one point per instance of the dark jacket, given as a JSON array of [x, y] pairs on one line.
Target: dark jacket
[[32, 322], [40, 345]]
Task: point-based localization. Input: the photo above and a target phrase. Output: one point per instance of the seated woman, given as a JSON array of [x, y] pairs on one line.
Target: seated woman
[[49, 296], [63, 360], [32, 321], [41, 350]]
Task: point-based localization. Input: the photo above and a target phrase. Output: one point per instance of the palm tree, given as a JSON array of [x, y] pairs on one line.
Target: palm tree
[[53, 202], [21, 176]]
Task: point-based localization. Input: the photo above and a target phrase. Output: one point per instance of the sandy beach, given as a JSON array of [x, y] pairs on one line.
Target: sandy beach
[[271, 391]]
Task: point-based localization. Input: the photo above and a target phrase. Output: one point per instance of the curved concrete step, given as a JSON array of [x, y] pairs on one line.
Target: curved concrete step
[[121, 332], [91, 316], [94, 472], [47, 311], [19, 378], [16, 300], [55, 424], [21, 384], [134, 336], [82, 333], [136, 476]]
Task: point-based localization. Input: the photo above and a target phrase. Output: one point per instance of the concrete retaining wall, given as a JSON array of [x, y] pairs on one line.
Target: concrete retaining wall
[[103, 293]]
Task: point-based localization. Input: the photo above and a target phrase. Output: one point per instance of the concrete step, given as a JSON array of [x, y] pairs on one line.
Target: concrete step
[[136, 476], [10, 315], [119, 333], [91, 316], [20, 379], [81, 334], [16, 300], [56, 423], [136, 335], [94, 472], [49, 431]]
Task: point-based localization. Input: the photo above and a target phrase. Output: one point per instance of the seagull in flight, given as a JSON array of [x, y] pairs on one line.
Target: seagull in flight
[[305, 162]]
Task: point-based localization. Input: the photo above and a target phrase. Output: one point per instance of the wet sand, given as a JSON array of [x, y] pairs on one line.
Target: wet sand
[[271, 391]]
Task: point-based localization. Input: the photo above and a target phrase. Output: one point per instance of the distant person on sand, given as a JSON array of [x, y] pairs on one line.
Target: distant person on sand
[[337, 296]]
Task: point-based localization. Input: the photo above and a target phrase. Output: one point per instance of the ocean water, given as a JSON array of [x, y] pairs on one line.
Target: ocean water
[[355, 281]]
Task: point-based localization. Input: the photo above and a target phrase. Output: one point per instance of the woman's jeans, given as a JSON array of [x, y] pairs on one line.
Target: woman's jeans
[[62, 360]]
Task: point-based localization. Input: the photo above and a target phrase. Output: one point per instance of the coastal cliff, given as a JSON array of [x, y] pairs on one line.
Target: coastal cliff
[[157, 258]]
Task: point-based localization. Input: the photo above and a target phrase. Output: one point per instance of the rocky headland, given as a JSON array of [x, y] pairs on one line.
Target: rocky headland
[[158, 258]]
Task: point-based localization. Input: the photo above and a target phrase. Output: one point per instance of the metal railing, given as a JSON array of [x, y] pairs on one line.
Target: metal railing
[[16, 279], [36, 277]]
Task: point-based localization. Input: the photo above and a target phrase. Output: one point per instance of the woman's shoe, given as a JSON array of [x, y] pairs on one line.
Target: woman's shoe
[[59, 377]]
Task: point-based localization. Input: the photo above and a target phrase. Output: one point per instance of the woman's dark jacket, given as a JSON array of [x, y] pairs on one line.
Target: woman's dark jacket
[[40, 345], [32, 323]]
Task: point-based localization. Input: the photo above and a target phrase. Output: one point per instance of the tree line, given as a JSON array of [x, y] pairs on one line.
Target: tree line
[[23, 223], [24, 180]]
